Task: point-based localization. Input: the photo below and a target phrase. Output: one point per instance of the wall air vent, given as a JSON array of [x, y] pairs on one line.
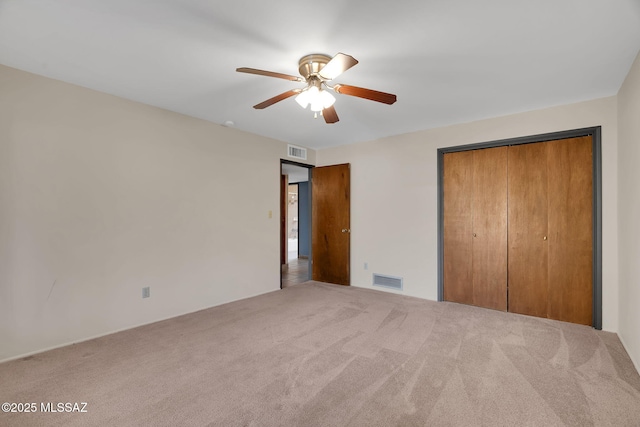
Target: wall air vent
[[297, 152], [387, 281]]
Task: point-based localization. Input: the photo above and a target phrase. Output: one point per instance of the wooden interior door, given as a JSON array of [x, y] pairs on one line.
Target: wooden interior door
[[489, 251], [571, 230], [458, 226], [330, 223], [528, 288]]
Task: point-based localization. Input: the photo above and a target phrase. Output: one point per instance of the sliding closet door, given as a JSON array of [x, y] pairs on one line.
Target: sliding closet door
[[528, 236], [458, 227], [571, 230], [490, 228]]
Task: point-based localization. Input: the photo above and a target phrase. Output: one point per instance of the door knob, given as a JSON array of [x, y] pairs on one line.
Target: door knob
[[346, 230], [474, 234], [544, 238]]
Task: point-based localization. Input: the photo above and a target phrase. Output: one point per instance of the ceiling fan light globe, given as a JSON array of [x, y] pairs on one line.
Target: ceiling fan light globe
[[303, 99], [317, 106], [320, 99], [327, 99]]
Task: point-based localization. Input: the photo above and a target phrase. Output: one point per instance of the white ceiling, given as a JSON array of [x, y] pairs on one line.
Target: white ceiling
[[448, 61]]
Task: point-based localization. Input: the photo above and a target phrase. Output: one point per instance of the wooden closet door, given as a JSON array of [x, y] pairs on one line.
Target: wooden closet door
[[570, 178], [528, 287], [489, 251], [458, 226]]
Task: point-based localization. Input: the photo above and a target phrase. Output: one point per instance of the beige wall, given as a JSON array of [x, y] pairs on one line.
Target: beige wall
[[100, 196], [629, 211], [390, 174]]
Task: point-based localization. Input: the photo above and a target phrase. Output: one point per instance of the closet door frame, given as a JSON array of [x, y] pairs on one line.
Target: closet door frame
[[595, 133]]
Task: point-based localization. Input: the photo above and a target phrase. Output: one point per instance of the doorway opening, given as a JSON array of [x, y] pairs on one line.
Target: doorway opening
[[293, 211], [295, 223]]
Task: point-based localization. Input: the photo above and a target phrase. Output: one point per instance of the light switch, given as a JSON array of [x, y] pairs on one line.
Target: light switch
[[270, 214]]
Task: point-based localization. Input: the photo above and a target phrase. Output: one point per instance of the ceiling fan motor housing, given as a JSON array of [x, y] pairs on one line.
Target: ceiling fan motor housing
[[310, 65]]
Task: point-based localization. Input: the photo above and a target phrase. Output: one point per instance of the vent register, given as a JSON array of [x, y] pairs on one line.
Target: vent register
[[391, 282], [297, 152]]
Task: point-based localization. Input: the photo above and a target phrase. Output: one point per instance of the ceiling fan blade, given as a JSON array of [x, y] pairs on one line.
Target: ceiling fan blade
[[269, 74], [373, 95], [338, 65], [330, 115], [277, 98]]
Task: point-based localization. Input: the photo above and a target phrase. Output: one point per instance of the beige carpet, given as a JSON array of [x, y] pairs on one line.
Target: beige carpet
[[324, 355]]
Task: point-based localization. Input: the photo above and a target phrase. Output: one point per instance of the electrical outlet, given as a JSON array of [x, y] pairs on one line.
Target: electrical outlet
[[366, 265], [146, 292]]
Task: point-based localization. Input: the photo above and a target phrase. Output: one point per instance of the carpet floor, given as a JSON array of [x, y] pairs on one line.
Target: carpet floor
[[323, 355]]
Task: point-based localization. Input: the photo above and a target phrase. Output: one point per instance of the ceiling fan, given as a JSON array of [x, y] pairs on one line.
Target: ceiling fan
[[317, 70]]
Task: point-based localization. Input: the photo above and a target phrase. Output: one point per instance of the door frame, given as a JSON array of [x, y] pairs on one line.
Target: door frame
[[596, 134], [283, 195]]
